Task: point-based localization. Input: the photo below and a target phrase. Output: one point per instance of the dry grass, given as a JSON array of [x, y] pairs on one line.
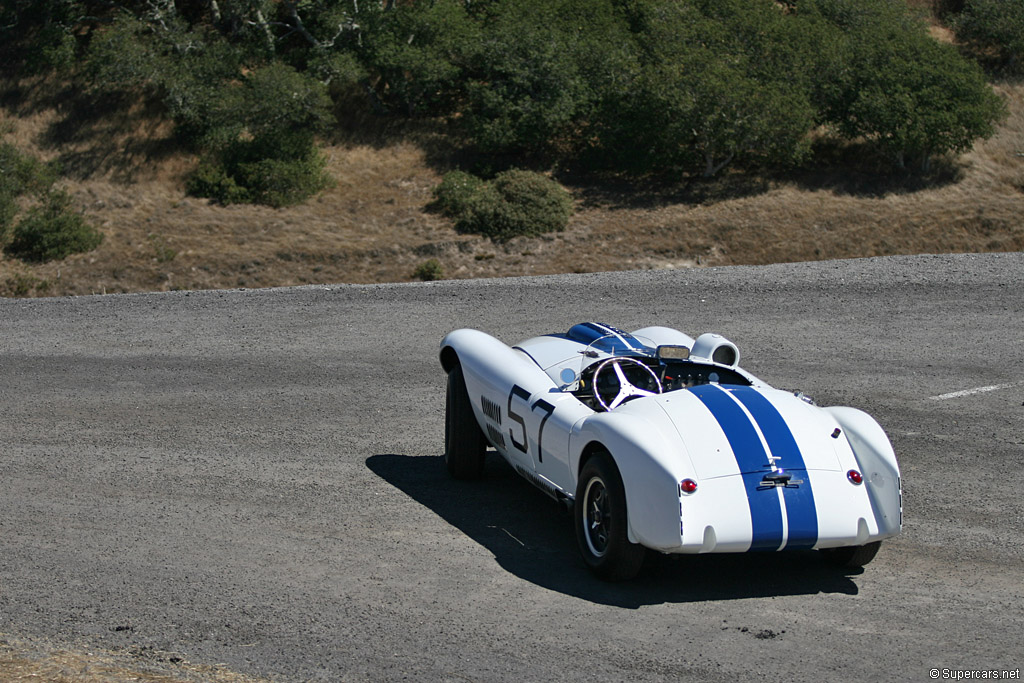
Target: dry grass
[[374, 226], [21, 661]]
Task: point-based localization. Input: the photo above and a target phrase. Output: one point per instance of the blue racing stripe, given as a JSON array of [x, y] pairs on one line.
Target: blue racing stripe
[[802, 516], [765, 509], [801, 513]]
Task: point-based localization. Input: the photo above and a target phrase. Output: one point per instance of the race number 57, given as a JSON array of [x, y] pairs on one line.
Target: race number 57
[[522, 396]]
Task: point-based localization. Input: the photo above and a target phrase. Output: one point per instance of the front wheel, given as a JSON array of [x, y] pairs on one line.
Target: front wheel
[[464, 443], [599, 515], [852, 557]]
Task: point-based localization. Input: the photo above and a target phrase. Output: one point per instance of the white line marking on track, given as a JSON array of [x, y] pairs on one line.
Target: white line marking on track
[[971, 392]]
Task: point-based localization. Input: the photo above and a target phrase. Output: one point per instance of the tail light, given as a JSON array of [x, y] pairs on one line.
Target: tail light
[[687, 486], [855, 477]]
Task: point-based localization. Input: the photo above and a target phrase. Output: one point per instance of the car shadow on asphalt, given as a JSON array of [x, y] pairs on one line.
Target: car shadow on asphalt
[[531, 536]]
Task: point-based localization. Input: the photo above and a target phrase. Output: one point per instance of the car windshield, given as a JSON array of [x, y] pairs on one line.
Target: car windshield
[[605, 340]]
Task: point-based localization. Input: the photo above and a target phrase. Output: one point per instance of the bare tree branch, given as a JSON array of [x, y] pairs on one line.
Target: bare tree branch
[[262, 23]]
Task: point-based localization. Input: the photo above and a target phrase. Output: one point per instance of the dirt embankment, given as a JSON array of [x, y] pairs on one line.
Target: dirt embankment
[[374, 225]]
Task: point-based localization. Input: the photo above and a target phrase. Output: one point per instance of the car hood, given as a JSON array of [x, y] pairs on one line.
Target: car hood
[[729, 430]]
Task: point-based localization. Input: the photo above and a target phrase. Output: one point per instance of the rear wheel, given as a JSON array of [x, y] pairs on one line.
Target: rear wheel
[[853, 556], [464, 442], [599, 514]]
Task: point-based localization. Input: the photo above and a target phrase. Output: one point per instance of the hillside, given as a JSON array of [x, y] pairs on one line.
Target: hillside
[[374, 225]]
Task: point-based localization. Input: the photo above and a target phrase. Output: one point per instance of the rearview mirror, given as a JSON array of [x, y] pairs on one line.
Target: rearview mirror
[[672, 352]]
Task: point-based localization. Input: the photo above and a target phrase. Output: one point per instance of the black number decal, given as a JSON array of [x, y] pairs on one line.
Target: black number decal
[[518, 391], [525, 395], [547, 408]]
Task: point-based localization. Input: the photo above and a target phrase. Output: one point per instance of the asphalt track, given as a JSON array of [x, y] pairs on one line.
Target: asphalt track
[[252, 478]]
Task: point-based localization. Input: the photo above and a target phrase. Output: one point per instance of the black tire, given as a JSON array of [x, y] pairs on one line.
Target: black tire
[[464, 443], [852, 557], [599, 515]]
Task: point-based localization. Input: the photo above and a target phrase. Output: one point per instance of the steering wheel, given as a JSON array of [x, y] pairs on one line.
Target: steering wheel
[[627, 390]]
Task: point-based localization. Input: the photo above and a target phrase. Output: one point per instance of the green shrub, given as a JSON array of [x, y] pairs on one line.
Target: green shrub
[[996, 26], [53, 231], [273, 158], [8, 209], [20, 174], [482, 213], [717, 83], [455, 192], [429, 270], [161, 251], [911, 96], [416, 52], [532, 204], [244, 175], [540, 71], [23, 174], [283, 182], [516, 203], [212, 181]]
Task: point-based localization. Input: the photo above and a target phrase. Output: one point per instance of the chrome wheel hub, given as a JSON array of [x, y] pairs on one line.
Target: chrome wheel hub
[[597, 516]]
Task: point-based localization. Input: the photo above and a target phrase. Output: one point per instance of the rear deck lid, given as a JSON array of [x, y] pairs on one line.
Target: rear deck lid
[[731, 429]]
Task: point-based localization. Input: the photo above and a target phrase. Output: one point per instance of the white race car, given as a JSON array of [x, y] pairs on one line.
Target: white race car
[[660, 441]]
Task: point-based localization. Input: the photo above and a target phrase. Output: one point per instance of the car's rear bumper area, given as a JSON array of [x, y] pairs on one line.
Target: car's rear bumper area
[[812, 510]]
